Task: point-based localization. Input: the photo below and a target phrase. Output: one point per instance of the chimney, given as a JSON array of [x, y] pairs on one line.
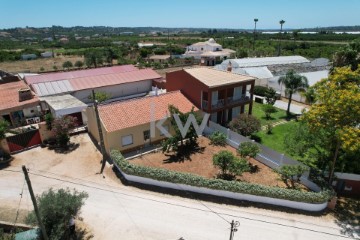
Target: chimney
[[229, 67], [24, 94]]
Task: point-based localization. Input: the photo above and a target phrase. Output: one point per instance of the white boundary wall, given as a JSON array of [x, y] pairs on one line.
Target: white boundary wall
[[311, 207]]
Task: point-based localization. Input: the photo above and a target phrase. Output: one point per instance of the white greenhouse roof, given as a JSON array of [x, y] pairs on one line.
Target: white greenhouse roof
[[266, 61], [64, 104], [258, 72], [52, 88]]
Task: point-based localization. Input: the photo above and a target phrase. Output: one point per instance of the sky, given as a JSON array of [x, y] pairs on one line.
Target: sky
[[233, 14]]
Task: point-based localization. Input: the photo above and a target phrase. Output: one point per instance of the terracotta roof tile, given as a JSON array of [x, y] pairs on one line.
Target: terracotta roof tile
[[9, 97], [130, 113]]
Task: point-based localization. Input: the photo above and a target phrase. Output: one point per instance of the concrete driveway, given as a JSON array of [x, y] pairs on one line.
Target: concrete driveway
[[115, 211], [296, 109]]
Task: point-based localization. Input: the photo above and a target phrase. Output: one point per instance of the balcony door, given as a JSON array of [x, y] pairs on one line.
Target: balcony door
[[237, 93], [214, 97]]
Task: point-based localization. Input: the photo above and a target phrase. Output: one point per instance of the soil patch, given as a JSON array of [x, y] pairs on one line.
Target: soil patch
[[200, 163]]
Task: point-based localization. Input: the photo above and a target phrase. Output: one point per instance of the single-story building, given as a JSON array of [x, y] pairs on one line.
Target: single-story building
[[46, 54], [19, 105], [65, 105], [126, 125], [118, 81], [159, 58], [28, 56]]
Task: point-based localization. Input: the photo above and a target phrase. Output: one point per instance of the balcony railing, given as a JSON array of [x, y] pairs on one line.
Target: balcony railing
[[218, 103], [238, 99]]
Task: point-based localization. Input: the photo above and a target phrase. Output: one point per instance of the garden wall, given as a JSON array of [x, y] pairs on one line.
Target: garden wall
[[311, 207]]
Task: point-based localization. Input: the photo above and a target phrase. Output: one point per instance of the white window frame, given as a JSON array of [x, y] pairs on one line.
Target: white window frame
[[127, 144]]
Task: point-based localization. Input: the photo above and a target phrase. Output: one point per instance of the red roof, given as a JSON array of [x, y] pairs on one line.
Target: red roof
[[49, 77], [134, 112], [113, 79], [9, 97]]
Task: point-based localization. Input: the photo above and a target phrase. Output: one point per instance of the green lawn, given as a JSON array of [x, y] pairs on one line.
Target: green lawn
[[259, 113], [275, 140]]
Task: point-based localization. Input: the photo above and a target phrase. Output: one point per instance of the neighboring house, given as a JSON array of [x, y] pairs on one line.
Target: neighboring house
[[64, 40], [18, 105], [28, 56], [124, 81], [222, 94], [159, 58], [209, 52], [126, 124]]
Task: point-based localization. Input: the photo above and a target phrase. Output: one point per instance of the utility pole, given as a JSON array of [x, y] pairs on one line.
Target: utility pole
[[102, 146], [233, 229], [33, 199]]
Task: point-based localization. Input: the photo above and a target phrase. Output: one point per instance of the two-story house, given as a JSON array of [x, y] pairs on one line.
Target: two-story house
[[209, 52], [222, 94]]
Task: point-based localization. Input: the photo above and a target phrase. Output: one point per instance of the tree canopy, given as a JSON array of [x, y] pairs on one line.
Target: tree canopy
[[293, 83], [56, 209], [337, 111]]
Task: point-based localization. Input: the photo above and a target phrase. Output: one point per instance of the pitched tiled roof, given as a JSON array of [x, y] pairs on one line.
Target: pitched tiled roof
[[213, 78], [130, 113], [9, 97]]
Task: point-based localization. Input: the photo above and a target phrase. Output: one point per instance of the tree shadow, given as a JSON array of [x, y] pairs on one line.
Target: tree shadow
[[225, 176], [347, 214], [183, 154], [65, 150]]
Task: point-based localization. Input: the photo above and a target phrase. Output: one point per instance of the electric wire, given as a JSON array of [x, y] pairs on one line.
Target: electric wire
[[198, 209]]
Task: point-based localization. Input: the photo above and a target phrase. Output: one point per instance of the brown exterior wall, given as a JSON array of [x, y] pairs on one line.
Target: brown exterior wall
[[192, 89], [189, 86]]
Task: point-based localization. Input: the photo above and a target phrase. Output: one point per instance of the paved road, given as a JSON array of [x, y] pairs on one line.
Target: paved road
[[293, 107], [115, 211], [129, 213]]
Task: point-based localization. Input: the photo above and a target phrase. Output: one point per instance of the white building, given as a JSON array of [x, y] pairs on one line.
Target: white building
[[209, 52]]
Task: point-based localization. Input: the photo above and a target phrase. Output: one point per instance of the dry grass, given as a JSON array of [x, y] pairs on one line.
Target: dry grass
[[200, 163], [34, 66]]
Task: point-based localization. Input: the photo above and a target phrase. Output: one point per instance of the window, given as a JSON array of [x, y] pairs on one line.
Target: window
[[146, 135], [127, 140]]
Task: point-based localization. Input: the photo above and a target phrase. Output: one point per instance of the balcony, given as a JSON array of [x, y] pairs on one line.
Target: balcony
[[238, 99], [218, 104]]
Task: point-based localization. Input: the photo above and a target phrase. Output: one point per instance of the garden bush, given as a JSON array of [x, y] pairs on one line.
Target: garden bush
[[218, 184], [218, 138], [260, 90]]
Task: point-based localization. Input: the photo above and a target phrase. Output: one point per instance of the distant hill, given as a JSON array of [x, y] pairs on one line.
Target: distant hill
[[107, 31]]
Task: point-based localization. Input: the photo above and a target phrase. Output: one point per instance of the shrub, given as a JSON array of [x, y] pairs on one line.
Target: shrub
[[218, 138], [4, 125], [268, 110], [217, 184], [229, 164], [49, 120], [248, 149], [290, 174], [245, 124], [269, 128], [61, 127], [260, 90]]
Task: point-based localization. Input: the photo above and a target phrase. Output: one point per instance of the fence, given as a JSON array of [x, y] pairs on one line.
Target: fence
[[266, 156]]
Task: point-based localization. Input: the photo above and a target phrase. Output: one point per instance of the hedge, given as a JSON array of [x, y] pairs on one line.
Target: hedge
[[217, 184]]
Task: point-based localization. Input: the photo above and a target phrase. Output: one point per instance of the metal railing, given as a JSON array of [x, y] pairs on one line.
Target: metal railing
[[218, 103]]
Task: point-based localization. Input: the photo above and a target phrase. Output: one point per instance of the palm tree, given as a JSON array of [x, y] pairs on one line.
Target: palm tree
[[255, 21], [293, 83], [281, 24]]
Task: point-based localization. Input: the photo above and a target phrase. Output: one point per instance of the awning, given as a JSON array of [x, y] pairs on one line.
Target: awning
[[64, 104]]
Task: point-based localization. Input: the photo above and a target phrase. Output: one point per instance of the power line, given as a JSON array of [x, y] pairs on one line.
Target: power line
[[198, 209], [18, 208]]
